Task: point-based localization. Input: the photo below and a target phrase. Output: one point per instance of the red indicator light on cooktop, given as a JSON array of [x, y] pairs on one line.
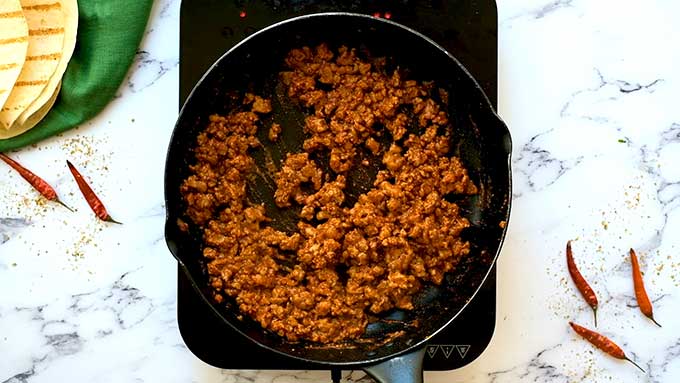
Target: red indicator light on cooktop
[[243, 14]]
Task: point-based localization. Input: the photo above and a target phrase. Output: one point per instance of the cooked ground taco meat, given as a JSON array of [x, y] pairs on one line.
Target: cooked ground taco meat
[[274, 132], [346, 261]]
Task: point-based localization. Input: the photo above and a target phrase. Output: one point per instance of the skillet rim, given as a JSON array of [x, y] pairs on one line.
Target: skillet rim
[[507, 147]]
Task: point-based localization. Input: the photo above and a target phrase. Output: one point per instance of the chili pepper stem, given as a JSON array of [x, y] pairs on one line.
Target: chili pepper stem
[[95, 203], [109, 219], [602, 342], [644, 303], [36, 182], [595, 314], [63, 204], [634, 364], [654, 320]]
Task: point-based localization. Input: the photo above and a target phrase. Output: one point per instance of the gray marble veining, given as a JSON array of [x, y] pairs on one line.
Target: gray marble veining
[[589, 90]]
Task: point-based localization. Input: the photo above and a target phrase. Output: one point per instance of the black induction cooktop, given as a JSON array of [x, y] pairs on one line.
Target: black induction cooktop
[[208, 28]]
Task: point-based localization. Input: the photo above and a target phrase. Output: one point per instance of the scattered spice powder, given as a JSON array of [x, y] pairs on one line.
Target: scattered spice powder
[[45, 189]]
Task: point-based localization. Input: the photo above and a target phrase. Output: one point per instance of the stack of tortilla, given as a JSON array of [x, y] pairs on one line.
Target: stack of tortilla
[[37, 39]]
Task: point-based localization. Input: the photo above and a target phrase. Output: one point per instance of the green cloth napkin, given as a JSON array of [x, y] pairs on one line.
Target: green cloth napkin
[[109, 32]]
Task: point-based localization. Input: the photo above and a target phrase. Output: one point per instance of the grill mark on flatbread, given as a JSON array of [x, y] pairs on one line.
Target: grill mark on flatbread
[[8, 66], [33, 120], [30, 83], [11, 15], [51, 56], [45, 31], [70, 11], [41, 7], [13, 40]]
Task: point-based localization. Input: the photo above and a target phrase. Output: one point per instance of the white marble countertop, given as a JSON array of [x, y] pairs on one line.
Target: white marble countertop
[[589, 90]]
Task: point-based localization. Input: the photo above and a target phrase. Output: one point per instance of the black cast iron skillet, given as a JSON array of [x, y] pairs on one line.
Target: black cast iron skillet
[[393, 346]]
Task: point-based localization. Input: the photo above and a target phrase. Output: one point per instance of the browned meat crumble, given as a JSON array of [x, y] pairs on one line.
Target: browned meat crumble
[[345, 263], [274, 132]]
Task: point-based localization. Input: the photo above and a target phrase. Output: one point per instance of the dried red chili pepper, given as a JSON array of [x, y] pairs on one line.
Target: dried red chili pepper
[[38, 183], [95, 204], [640, 292], [603, 343], [581, 283]]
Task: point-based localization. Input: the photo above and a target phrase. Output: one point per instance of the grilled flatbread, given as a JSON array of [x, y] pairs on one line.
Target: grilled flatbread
[[45, 20], [32, 121], [70, 9], [13, 45]]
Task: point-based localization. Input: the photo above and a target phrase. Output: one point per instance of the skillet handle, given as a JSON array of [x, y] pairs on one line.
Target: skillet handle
[[407, 368]]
